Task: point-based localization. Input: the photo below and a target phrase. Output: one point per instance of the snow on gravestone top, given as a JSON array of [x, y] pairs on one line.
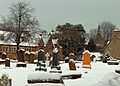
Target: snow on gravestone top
[[21, 49], [4, 53], [32, 53], [41, 50], [71, 61], [86, 51], [55, 50], [44, 76], [27, 52], [7, 58]]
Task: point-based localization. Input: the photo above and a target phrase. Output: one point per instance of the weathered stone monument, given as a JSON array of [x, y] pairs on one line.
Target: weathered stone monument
[[7, 62], [21, 61], [41, 55], [31, 57], [27, 56], [41, 66], [5, 80], [72, 64], [3, 55], [55, 62], [47, 58], [72, 56], [66, 59]]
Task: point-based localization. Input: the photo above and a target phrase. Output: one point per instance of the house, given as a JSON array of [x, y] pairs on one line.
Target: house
[[48, 44], [113, 46], [11, 48]]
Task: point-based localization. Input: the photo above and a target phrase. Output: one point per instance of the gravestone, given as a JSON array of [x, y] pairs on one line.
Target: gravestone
[[72, 64], [55, 63], [41, 66], [7, 62], [86, 59], [3, 55], [32, 57], [21, 62], [21, 55], [66, 59], [26, 56], [72, 56], [41, 55], [47, 58]]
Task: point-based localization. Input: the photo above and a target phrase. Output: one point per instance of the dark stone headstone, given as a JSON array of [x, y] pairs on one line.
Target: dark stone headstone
[[55, 63], [7, 62], [3, 55], [41, 55], [21, 55], [21, 61]]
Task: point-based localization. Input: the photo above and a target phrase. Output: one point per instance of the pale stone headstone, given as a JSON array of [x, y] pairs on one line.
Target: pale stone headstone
[[72, 64]]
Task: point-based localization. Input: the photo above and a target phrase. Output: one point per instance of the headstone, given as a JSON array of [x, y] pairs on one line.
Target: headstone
[[66, 59], [7, 62], [5, 80], [72, 64], [26, 56], [41, 66], [86, 59], [72, 56], [3, 55], [21, 55], [41, 55], [21, 61], [55, 57], [47, 58], [55, 63], [32, 57]]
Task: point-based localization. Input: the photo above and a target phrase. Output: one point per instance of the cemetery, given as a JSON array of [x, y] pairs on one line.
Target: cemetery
[[23, 72]]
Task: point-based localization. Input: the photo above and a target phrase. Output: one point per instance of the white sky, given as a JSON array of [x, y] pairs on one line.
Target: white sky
[[89, 13]]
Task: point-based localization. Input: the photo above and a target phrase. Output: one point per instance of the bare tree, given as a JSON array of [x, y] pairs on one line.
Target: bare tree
[[20, 23], [93, 33], [107, 28]]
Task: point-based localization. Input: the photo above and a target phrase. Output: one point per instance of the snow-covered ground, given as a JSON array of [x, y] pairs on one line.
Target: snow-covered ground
[[89, 77]]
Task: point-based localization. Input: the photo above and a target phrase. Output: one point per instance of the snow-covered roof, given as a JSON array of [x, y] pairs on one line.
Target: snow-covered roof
[[21, 44]]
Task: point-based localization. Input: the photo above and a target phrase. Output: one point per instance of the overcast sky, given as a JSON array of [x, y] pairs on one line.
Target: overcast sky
[[89, 13]]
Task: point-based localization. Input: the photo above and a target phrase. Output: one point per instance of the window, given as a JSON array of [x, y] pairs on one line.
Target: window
[[28, 49], [13, 49], [5, 49]]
